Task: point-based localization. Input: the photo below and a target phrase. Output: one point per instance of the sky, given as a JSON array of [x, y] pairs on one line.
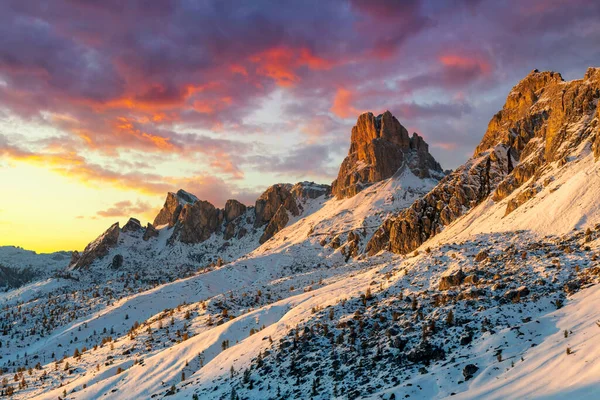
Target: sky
[[106, 106]]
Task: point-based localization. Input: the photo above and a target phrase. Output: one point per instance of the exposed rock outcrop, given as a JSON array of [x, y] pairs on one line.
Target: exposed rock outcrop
[[379, 146], [277, 223], [150, 232], [169, 214], [196, 222], [310, 190], [233, 209], [133, 225], [543, 120], [97, 249], [269, 202]]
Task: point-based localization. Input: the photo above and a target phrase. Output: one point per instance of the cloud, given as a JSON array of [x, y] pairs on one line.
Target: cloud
[[125, 208]]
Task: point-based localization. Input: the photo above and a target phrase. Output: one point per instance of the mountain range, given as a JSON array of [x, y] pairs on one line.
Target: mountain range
[[398, 280]]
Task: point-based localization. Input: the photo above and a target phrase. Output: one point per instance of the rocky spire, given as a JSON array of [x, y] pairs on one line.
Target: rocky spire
[[169, 214], [559, 115], [379, 146]]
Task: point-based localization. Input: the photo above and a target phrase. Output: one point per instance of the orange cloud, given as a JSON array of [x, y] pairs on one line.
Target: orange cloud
[[342, 106], [238, 69], [281, 63], [466, 63], [125, 209], [225, 165], [125, 126]]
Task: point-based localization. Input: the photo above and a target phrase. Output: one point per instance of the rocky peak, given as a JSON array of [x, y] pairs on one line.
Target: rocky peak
[[379, 146], [233, 209], [173, 204], [543, 121], [133, 225], [96, 249]]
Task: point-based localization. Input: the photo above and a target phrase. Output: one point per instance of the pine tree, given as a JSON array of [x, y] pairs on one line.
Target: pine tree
[[450, 318]]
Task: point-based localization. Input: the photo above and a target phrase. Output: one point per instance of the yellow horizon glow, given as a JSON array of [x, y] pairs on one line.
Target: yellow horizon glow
[[43, 211]]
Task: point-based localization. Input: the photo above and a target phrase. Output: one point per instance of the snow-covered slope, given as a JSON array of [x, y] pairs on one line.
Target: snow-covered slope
[[19, 266], [569, 200]]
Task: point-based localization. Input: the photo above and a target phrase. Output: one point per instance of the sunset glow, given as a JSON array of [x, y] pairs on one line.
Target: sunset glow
[[107, 106]]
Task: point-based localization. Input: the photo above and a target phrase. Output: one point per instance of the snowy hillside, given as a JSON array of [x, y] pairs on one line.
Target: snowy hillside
[[19, 266]]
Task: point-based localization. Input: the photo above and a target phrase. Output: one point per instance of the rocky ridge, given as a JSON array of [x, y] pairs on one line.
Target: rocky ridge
[[542, 122], [192, 221]]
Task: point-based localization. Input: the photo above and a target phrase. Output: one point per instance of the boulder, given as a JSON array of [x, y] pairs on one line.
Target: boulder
[[516, 294], [117, 262], [481, 256], [469, 370], [451, 280]]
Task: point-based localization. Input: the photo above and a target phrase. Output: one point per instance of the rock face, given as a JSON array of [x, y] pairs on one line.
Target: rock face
[[233, 209], [133, 225], [277, 223], [310, 190], [272, 208], [269, 202], [169, 214], [196, 222], [150, 232], [543, 120], [379, 146], [97, 249]]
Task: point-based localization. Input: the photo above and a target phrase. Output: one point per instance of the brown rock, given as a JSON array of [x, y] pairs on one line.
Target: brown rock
[[233, 209], [277, 223], [229, 231], [310, 190], [481, 256], [379, 146], [150, 232], [452, 280], [133, 225], [169, 214], [524, 196], [98, 248], [196, 222], [269, 202]]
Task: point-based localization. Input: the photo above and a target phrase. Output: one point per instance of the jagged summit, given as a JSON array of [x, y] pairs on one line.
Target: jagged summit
[[379, 146], [542, 126], [173, 204]]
